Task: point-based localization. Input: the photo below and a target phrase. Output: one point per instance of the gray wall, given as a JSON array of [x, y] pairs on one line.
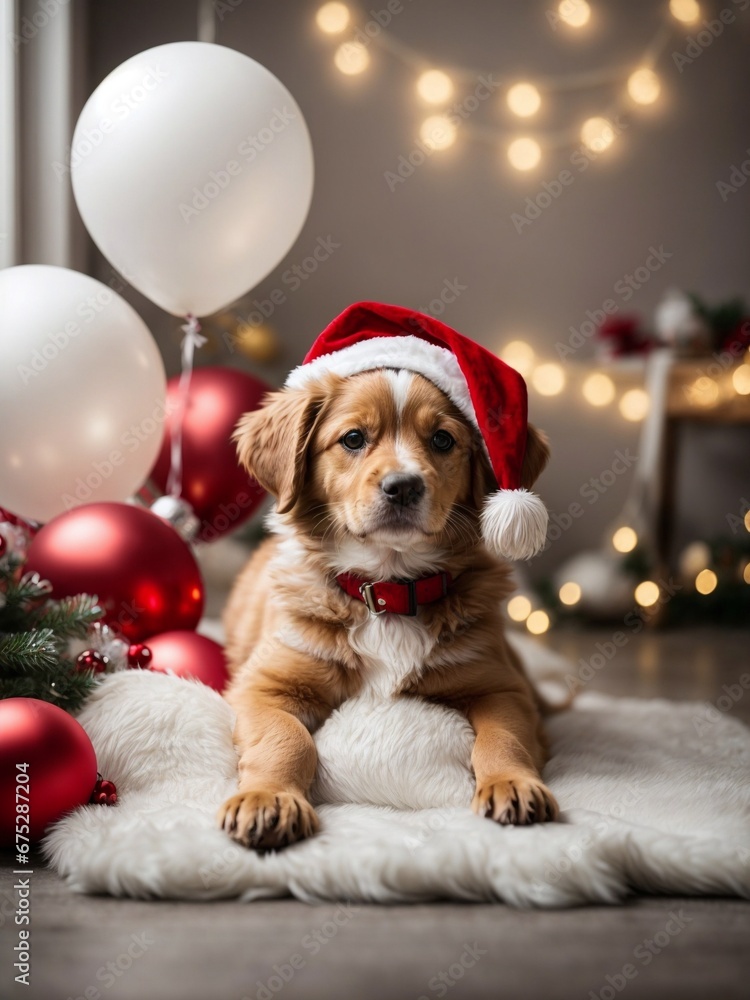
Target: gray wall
[[452, 218]]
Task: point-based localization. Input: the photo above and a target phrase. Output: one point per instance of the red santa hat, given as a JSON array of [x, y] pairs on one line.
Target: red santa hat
[[489, 393]]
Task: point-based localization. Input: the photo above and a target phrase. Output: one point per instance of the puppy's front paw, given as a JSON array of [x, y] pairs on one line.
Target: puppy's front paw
[[267, 821], [518, 800]]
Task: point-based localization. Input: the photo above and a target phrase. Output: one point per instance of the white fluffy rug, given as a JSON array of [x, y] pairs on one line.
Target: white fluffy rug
[[655, 798]]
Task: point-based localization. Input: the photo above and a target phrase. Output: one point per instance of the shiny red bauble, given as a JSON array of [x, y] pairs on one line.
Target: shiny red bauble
[[143, 573], [187, 654], [219, 490], [45, 757]]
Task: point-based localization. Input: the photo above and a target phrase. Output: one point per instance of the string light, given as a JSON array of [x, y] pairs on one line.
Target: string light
[[625, 539], [524, 154], [746, 572], [519, 608], [597, 134], [647, 593], [704, 391], [741, 380], [686, 11], [332, 18], [644, 86], [537, 622], [706, 581], [548, 379], [524, 99], [438, 132], [634, 404], [598, 389], [696, 557], [575, 13], [435, 87], [519, 355], [352, 58], [570, 593], [747, 521]]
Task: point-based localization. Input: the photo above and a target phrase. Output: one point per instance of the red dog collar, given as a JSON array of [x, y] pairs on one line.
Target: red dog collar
[[399, 597]]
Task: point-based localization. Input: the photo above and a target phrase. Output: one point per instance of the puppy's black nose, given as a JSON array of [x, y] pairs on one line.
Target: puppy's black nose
[[403, 488]]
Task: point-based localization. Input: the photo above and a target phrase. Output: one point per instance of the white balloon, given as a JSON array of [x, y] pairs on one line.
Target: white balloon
[[192, 168], [82, 392]]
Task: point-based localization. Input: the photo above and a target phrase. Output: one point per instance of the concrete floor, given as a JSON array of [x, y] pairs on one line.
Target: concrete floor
[[123, 949]]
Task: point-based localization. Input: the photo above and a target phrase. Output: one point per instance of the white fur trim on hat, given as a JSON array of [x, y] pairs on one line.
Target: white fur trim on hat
[[410, 353], [514, 523]]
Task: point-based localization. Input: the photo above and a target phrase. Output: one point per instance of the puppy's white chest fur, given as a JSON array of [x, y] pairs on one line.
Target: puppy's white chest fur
[[393, 648]]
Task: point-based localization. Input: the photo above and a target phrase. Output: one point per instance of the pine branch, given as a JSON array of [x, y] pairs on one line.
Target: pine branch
[[29, 651], [65, 687], [70, 617]]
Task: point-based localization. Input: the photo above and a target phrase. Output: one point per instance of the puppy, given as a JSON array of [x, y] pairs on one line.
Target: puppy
[[378, 476]]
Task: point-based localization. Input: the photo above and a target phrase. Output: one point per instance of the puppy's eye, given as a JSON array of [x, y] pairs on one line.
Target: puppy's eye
[[442, 441], [353, 440]]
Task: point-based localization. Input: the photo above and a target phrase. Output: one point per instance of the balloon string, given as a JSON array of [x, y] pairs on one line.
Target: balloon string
[[190, 342]]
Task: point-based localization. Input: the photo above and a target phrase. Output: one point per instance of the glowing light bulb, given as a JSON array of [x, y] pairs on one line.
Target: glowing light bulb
[[625, 539], [519, 608], [575, 13], [352, 58], [435, 87], [548, 379], [746, 572], [644, 86], [537, 622], [570, 593], [524, 99], [747, 521], [438, 132], [647, 593], [524, 154], [519, 355], [741, 380], [332, 18], [686, 11], [634, 404], [706, 581], [597, 134], [598, 389]]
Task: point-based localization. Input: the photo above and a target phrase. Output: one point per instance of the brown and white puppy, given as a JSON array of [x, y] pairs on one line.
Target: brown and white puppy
[[378, 474]]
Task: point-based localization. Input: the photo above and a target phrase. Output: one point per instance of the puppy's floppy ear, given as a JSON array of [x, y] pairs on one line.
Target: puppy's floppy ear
[[536, 457], [272, 441], [482, 477]]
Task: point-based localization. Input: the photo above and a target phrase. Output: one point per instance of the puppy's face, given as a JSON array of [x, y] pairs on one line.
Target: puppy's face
[[393, 459], [382, 456]]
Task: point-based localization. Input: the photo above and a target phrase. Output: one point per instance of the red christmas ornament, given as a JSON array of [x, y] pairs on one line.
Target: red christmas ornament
[[219, 490], [47, 763], [89, 659], [3, 546], [143, 573], [104, 793], [187, 654], [139, 655]]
